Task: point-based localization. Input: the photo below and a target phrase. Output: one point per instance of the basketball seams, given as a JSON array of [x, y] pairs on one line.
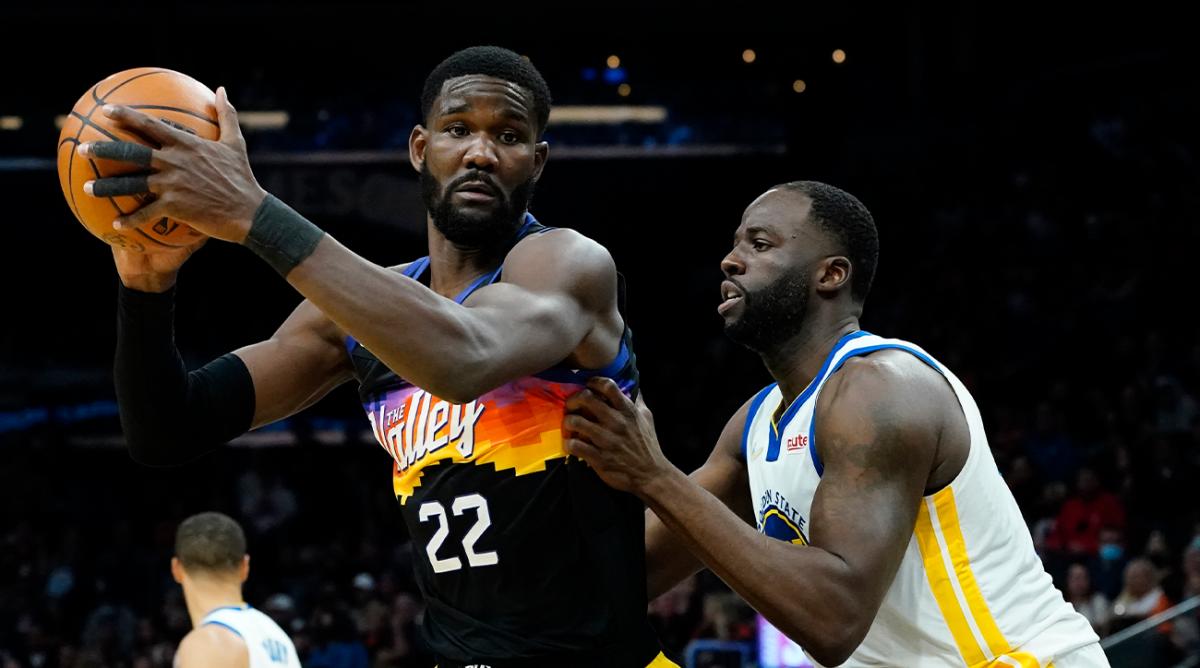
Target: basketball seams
[[85, 122], [100, 99], [70, 172], [187, 112]]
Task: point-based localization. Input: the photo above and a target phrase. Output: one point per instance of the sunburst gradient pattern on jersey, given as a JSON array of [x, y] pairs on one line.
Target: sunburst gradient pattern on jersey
[[515, 427]]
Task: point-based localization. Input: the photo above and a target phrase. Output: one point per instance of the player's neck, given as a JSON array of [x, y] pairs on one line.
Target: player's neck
[[796, 362], [204, 596], [453, 267]]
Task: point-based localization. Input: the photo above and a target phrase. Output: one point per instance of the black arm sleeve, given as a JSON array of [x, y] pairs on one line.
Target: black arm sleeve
[[171, 416]]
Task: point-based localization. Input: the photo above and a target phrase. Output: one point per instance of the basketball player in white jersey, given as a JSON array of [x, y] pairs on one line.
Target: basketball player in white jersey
[[854, 502], [211, 563]]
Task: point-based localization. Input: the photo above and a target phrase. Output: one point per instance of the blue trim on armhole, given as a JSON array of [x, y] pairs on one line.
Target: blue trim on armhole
[[415, 269], [488, 279], [754, 405], [561, 374], [239, 633], [240, 608], [812, 426], [777, 432]]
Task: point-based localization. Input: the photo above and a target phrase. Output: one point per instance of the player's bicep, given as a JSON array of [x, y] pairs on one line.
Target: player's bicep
[[554, 293], [877, 446], [531, 320], [301, 362]]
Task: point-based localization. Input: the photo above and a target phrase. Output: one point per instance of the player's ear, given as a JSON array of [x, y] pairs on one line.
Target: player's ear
[[833, 274], [541, 153], [177, 570], [417, 141], [244, 568]]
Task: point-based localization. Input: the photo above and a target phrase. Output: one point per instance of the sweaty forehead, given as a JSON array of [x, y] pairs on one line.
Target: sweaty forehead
[[465, 92]]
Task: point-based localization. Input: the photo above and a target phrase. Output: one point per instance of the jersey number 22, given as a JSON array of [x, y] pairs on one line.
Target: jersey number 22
[[483, 520]]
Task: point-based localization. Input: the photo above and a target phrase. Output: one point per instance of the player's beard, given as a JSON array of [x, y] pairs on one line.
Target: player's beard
[[773, 315], [475, 228]]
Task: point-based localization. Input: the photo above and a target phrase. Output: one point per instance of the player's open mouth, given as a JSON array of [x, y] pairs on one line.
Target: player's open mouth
[[730, 295]]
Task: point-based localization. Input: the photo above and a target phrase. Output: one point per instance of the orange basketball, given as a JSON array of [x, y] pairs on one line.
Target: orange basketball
[[177, 99]]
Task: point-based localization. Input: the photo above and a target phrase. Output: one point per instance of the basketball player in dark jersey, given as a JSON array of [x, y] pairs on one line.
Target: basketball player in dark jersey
[[464, 361]]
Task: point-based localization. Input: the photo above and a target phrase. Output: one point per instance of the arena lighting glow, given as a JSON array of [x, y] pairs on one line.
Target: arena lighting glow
[[799, 86], [606, 115], [614, 76], [776, 650], [11, 122], [263, 120], [749, 56], [624, 90], [249, 120], [613, 62], [839, 56]]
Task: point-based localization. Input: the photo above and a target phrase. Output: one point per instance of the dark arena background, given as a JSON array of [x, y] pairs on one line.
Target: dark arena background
[[1035, 179]]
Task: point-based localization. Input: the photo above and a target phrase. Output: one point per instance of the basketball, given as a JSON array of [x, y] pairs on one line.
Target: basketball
[[177, 100]]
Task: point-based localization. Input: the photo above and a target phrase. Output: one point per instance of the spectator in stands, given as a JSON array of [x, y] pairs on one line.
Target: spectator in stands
[[1092, 604], [1076, 532], [1141, 596]]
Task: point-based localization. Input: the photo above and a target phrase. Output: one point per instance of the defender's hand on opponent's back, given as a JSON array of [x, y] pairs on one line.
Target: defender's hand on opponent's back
[[615, 436], [207, 184]]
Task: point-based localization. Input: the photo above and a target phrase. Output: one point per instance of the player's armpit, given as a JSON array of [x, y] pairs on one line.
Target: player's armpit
[[302, 361]]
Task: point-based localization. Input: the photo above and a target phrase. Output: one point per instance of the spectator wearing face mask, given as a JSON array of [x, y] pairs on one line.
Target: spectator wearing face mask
[[1107, 567]]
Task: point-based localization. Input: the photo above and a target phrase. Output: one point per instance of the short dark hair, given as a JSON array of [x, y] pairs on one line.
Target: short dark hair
[[210, 542], [842, 215], [492, 61]]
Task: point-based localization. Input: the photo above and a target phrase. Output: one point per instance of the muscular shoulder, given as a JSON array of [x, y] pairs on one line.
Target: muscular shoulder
[[888, 379], [561, 246], [563, 258], [212, 645], [888, 397]]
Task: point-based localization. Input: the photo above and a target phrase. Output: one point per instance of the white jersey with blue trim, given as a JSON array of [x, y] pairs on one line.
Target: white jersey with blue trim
[[268, 645], [970, 590]]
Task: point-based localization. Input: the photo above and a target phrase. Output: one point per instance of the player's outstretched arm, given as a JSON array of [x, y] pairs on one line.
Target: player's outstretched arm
[[559, 288], [556, 286], [878, 444]]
